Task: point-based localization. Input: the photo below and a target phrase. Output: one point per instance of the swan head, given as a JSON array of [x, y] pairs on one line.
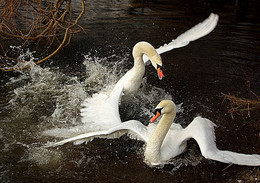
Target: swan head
[[146, 48], [157, 64], [164, 107]]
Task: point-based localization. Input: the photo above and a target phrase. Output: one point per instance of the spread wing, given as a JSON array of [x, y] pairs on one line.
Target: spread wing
[[202, 130], [133, 128], [196, 32], [103, 110]]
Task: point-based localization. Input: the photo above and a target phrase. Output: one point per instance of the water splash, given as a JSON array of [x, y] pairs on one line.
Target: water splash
[[49, 95], [102, 73], [48, 159], [143, 103], [45, 98]]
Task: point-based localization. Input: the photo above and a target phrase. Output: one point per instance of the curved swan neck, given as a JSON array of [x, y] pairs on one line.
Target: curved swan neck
[[153, 148], [134, 76], [144, 48]]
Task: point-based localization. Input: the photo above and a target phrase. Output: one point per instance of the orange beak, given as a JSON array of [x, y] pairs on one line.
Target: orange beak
[[160, 73], [155, 117]]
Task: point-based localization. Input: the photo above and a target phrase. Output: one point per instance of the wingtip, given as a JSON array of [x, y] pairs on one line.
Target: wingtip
[[214, 17]]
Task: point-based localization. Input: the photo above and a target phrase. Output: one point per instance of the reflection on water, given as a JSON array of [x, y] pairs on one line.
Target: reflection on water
[[51, 95]]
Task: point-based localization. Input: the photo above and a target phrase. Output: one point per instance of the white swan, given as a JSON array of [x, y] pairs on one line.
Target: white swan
[[144, 51], [166, 140]]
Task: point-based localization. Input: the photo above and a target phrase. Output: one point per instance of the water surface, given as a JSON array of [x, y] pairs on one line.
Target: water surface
[[225, 61]]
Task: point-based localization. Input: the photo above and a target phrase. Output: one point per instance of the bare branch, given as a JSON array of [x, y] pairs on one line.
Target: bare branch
[[241, 105], [41, 21]]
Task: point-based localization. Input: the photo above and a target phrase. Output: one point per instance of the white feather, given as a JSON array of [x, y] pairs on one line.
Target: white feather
[[196, 32]]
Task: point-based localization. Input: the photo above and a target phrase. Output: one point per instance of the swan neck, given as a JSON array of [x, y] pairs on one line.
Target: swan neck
[[153, 148], [143, 48], [138, 62]]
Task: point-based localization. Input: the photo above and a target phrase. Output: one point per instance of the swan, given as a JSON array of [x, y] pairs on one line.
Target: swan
[[167, 140], [143, 52]]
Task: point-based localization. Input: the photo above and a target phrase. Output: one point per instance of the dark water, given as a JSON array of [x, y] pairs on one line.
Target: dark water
[[225, 61]]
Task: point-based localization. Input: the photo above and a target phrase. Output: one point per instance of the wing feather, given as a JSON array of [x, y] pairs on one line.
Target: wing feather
[[196, 32], [202, 130], [133, 128]]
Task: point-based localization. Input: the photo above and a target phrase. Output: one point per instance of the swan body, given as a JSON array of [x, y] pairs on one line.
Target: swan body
[[167, 140]]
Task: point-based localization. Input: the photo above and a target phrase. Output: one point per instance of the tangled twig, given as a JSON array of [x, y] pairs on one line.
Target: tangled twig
[[241, 105], [41, 21]]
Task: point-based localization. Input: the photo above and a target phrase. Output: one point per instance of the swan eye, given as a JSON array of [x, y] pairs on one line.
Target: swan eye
[[157, 113], [158, 65], [157, 110]]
